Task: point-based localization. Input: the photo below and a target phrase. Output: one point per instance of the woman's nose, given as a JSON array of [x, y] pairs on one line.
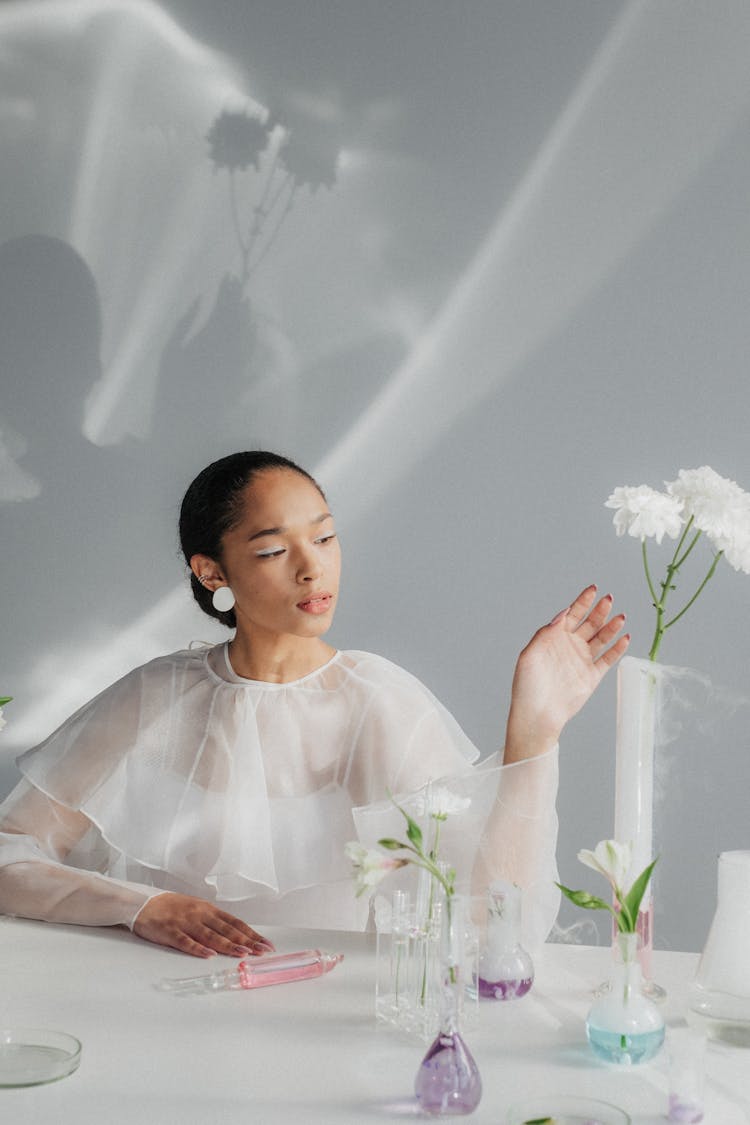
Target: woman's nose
[[308, 566]]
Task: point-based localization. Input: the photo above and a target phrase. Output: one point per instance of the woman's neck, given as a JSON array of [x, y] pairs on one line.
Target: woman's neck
[[278, 661]]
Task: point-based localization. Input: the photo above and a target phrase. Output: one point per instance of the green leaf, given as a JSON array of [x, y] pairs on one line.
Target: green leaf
[[625, 920], [584, 899], [540, 1121], [632, 900], [5, 699], [391, 845], [414, 832]]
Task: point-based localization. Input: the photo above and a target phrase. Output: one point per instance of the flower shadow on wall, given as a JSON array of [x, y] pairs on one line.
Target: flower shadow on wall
[[238, 141], [214, 365]]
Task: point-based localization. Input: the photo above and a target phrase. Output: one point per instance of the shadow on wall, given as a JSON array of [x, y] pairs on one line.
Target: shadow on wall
[[75, 542], [50, 333], [90, 531]]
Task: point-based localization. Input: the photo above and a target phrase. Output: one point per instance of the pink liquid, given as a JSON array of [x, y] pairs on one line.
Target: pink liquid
[[257, 972]]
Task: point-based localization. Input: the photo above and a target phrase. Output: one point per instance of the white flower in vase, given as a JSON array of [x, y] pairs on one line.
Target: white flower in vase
[[612, 860], [440, 803], [698, 503], [370, 866], [645, 513]]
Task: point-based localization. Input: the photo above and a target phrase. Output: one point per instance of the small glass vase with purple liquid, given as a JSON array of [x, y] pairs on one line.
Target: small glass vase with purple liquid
[[506, 971], [448, 1082]]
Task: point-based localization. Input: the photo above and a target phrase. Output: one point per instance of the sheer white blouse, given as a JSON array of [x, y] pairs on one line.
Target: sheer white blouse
[[183, 776]]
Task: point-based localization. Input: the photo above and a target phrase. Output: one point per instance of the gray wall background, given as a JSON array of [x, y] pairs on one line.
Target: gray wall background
[[511, 272]]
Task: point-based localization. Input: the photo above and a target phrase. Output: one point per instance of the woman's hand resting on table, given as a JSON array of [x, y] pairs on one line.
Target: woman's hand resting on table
[[558, 671], [196, 926]]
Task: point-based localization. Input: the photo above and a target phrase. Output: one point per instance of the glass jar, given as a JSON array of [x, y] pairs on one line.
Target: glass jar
[[505, 971], [719, 995]]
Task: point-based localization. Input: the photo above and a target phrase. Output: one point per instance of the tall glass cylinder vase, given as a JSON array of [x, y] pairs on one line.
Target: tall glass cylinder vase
[[638, 708], [448, 1081]]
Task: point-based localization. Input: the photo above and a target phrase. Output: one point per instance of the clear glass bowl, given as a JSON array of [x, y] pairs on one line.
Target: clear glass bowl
[[31, 1056], [566, 1109]]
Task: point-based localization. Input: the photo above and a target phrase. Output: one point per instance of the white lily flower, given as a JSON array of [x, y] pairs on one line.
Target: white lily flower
[[611, 859], [440, 803], [370, 866]]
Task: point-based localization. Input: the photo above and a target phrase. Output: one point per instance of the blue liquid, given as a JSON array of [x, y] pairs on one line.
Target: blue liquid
[[614, 1047]]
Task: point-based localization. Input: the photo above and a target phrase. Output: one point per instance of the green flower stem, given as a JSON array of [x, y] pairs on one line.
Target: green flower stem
[[649, 582], [678, 558], [696, 537], [432, 856], [427, 864], [698, 591]]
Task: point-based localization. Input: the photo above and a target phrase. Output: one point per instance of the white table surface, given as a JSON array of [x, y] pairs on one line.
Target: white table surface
[[309, 1051]]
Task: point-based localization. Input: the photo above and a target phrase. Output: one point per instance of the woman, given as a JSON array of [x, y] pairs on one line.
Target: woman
[[234, 774]]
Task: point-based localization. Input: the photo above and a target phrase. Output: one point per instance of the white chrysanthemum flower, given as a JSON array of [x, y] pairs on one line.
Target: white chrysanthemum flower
[[440, 803], [370, 866], [718, 506], [737, 552], [645, 513], [610, 859]]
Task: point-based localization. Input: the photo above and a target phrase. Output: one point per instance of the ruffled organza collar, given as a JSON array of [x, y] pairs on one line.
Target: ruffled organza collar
[[219, 665]]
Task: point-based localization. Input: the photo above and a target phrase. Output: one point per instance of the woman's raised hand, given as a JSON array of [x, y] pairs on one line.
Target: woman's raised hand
[[558, 671], [196, 926]]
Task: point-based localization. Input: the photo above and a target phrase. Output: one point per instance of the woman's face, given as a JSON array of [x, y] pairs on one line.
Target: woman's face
[[283, 560]]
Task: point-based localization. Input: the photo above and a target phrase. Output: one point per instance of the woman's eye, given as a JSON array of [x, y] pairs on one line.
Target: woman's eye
[[326, 538], [269, 553]]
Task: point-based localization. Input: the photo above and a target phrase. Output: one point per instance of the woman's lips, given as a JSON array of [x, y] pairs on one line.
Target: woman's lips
[[318, 603]]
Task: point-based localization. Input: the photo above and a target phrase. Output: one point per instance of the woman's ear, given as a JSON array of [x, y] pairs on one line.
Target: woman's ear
[[207, 571]]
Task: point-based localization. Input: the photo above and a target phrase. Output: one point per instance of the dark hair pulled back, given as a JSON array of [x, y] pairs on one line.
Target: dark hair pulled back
[[213, 505]]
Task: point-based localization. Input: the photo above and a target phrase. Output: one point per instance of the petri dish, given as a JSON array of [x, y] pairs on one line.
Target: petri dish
[[566, 1109], [31, 1056]]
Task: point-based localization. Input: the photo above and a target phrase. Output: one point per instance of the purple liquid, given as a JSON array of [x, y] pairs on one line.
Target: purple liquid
[[504, 989], [448, 1080], [685, 1111]]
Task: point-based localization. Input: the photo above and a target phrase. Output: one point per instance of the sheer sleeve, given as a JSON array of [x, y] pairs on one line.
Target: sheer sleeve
[[36, 835], [503, 826]]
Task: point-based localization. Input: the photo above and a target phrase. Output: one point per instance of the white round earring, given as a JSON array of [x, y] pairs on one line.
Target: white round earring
[[223, 599]]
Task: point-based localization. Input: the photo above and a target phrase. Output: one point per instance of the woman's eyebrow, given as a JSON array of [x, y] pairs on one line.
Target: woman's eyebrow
[[280, 530]]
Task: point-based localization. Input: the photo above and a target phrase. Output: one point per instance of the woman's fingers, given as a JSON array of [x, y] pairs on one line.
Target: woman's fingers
[[196, 926], [592, 622], [234, 929], [614, 652], [580, 609], [604, 636]]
